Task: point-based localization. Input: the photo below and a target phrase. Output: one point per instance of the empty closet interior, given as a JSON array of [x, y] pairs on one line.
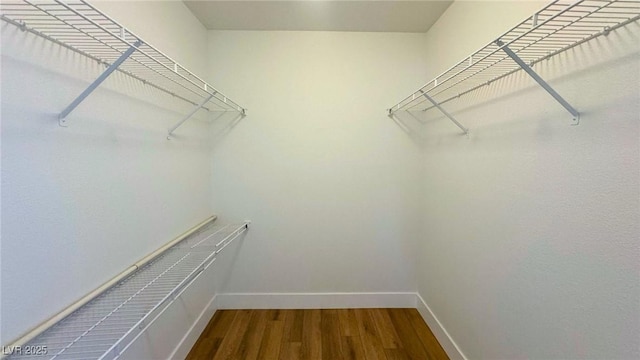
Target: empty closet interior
[[475, 160]]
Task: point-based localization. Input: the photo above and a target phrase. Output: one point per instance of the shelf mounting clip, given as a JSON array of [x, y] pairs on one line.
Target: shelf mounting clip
[[540, 81], [62, 117]]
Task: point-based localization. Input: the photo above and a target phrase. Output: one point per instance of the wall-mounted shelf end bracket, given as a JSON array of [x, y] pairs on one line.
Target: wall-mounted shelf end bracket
[[540, 81], [62, 117], [445, 112]]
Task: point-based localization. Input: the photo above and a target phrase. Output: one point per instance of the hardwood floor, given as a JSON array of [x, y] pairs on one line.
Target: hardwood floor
[[331, 334]]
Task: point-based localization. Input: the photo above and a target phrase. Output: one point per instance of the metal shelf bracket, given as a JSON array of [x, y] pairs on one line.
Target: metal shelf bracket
[[62, 118], [188, 116], [445, 112], [241, 111], [540, 81]]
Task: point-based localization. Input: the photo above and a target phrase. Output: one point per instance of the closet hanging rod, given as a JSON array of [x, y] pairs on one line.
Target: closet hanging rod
[[557, 27], [106, 326], [31, 334], [81, 27]]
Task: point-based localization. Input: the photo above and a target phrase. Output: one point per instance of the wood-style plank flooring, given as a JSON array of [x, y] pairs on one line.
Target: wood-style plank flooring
[[329, 334]]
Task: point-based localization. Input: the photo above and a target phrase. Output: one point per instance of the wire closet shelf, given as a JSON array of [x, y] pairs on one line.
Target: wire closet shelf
[[108, 324], [80, 27], [558, 27]]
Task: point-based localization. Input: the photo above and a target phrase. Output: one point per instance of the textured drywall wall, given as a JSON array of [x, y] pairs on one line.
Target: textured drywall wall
[[531, 246], [82, 203], [329, 182]]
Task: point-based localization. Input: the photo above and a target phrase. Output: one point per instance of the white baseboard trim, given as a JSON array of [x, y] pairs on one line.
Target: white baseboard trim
[[316, 300], [449, 346], [189, 339]]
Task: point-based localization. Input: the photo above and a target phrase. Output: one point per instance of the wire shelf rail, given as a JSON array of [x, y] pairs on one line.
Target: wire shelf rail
[[108, 324], [558, 27], [80, 27]]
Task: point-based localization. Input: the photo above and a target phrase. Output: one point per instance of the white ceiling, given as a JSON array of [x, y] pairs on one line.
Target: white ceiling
[[309, 15]]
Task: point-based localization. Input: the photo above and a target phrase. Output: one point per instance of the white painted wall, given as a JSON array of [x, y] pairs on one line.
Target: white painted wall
[[82, 203], [531, 246], [528, 228], [330, 184]]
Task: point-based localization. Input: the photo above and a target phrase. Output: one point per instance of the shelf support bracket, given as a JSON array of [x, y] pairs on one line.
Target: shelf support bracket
[[195, 110], [540, 81], [63, 115], [445, 112]]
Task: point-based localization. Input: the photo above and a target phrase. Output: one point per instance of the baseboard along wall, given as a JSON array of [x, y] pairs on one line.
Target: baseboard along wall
[[318, 301]]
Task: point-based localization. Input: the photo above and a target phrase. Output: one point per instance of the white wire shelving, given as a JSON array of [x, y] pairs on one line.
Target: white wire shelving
[[557, 27], [108, 324], [80, 27]]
